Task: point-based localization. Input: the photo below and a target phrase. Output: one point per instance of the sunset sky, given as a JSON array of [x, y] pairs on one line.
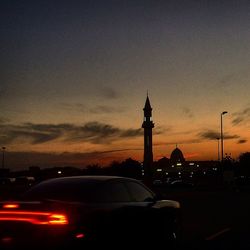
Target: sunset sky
[[75, 76]]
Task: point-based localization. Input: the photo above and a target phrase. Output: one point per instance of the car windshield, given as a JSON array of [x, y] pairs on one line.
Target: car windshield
[[83, 191]]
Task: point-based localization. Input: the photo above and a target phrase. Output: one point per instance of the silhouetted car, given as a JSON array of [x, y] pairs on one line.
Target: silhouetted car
[[181, 184], [25, 180], [5, 181], [157, 182], [69, 211]]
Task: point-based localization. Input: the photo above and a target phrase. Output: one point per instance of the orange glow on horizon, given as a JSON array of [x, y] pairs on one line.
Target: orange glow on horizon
[[191, 155]]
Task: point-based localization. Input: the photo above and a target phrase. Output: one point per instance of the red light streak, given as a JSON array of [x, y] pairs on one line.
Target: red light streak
[[80, 236], [38, 218], [11, 205]]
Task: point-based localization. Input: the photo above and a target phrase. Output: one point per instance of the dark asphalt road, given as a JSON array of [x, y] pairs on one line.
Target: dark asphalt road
[[213, 218]]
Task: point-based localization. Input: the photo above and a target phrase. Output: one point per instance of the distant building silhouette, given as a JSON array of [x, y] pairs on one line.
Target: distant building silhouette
[[148, 148], [177, 157], [178, 168]]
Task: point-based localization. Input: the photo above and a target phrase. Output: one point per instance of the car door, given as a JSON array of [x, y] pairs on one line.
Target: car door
[[156, 220], [143, 213], [111, 202]]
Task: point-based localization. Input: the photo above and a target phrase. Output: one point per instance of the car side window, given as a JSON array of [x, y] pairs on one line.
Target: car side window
[[139, 192], [113, 192]]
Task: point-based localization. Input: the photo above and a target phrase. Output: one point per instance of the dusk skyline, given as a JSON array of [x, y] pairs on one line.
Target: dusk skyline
[[75, 76]]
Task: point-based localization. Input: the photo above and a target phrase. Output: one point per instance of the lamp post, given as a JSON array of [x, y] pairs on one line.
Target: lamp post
[[218, 140], [3, 149], [221, 134]]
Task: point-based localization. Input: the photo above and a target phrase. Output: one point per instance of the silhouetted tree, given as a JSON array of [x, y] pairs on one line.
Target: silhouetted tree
[[228, 163], [128, 168], [244, 163], [162, 163], [131, 168], [93, 169], [114, 168]]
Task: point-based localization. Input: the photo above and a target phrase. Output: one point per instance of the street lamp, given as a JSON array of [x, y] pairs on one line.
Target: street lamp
[[3, 149], [221, 134], [218, 140]]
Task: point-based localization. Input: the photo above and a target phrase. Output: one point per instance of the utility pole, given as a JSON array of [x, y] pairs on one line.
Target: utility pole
[[3, 150]]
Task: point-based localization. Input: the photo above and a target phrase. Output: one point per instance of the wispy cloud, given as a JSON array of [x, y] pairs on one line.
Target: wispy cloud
[[33, 133], [78, 107], [3, 120], [232, 77], [187, 112], [213, 135], [158, 130], [109, 93], [132, 133], [242, 141], [94, 132], [192, 141], [209, 134], [98, 109], [181, 132], [228, 137], [242, 116]]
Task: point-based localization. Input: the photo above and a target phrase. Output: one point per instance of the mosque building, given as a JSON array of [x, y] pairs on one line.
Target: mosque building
[[174, 167]]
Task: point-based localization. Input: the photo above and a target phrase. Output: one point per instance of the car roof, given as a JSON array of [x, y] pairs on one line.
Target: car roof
[[73, 183], [86, 178]]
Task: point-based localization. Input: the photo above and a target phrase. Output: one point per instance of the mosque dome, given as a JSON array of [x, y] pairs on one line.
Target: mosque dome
[[177, 156]]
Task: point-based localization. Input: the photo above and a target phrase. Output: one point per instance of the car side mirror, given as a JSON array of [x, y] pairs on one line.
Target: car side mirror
[[158, 197], [149, 199]]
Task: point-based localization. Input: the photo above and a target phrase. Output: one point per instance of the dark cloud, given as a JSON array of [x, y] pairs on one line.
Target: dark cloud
[[34, 137], [99, 133], [115, 151], [242, 116], [226, 136], [188, 112], [49, 127], [241, 141], [140, 132], [213, 135], [105, 109], [132, 133], [161, 130], [34, 133], [3, 120], [94, 132]]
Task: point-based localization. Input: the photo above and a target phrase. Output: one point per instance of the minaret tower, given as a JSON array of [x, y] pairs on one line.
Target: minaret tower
[[148, 147]]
